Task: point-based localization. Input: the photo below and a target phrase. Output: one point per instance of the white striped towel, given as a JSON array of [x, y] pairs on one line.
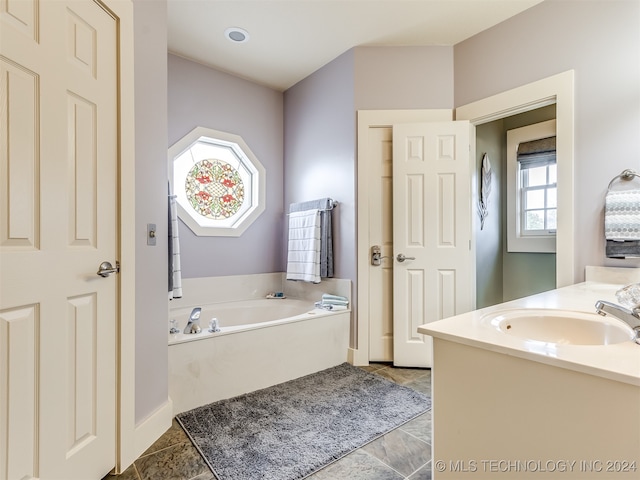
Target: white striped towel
[[175, 273], [303, 258]]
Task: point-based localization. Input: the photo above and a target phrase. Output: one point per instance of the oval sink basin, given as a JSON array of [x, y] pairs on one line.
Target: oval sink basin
[[561, 327]]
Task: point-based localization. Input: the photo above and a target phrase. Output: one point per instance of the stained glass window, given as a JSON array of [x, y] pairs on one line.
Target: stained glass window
[[214, 189], [218, 182]]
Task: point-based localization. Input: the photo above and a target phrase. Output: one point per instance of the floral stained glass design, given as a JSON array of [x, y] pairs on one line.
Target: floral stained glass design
[[214, 189]]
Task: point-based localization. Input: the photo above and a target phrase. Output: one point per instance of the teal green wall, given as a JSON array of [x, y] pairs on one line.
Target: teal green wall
[[502, 276], [490, 239], [527, 273]]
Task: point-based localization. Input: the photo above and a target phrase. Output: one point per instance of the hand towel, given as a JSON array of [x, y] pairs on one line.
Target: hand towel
[[329, 296], [622, 215], [328, 299], [623, 248], [622, 223], [303, 258]]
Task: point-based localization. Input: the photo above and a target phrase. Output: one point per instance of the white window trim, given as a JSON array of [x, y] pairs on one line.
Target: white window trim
[[259, 190], [522, 196], [515, 241]]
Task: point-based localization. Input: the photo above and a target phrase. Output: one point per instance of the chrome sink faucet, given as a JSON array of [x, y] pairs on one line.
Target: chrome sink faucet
[[630, 317], [193, 325]]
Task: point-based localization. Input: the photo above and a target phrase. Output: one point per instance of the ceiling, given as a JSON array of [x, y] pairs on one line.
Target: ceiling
[[290, 39]]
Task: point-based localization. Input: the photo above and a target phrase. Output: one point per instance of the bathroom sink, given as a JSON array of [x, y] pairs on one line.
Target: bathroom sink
[[561, 327]]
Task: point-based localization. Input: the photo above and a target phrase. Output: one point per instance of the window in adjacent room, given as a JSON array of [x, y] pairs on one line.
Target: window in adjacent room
[[218, 182], [532, 192]]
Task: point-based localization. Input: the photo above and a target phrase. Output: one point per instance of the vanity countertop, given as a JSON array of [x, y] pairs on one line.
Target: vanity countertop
[[619, 362]]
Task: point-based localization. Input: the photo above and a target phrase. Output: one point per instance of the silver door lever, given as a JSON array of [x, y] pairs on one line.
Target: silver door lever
[[376, 256], [401, 258], [105, 269]]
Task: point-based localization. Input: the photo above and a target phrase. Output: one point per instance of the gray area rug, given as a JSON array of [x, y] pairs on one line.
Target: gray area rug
[[293, 429]]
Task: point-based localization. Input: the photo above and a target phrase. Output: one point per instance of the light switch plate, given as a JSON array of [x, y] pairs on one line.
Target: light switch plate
[[151, 234]]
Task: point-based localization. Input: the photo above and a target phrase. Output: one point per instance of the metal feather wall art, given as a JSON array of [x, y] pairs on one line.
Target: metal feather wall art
[[485, 189]]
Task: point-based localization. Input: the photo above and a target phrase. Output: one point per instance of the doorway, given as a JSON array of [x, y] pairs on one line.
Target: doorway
[[375, 285], [499, 267], [556, 90], [393, 294]]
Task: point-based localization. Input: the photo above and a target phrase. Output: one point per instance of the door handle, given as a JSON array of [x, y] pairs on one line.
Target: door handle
[[105, 269], [401, 258], [376, 256]]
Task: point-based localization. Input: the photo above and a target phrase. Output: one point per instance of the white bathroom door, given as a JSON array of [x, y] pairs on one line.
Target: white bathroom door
[[58, 223], [375, 226], [380, 307], [432, 229]]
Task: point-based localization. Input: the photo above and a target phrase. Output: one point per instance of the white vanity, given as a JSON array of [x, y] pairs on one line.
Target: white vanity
[[513, 400]]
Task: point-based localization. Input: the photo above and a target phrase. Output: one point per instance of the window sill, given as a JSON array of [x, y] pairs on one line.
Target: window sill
[[531, 244]]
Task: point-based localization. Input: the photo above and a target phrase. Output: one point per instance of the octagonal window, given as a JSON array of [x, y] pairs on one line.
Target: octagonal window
[[218, 182]]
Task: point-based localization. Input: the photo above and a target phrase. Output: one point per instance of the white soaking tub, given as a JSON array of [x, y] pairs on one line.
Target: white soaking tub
[[261, 342]]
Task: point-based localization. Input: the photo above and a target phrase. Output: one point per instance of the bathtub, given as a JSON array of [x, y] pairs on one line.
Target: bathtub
[[239, 316], [261, 342]]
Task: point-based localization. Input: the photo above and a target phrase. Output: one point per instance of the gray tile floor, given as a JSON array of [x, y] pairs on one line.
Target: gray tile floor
[[403, 453]]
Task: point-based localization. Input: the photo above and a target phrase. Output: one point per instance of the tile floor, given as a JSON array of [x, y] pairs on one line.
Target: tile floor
[[403, 453]]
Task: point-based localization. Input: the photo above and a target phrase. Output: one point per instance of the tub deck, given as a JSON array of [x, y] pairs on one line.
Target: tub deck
[[235, 317]]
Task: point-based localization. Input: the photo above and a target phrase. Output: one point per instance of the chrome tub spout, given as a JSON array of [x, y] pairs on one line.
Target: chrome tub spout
[[193, 325]]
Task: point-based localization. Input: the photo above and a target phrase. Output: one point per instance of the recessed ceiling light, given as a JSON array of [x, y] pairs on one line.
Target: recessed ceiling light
[[237, 35]]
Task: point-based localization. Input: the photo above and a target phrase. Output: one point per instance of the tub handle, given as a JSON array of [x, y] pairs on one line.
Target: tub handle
[[214, 325]]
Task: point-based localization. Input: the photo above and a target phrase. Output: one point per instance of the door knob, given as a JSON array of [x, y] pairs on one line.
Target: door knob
[[105, 269], [401, 258]]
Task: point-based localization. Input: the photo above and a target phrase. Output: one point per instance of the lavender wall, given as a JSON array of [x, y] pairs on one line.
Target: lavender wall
[[600, 40], [150, 50], [393, 78], [201, 96], [320, 148], [320, 123], [320, 126]]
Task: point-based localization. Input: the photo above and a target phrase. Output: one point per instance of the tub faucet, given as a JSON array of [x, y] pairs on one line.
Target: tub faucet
[[630, 317], [193, 325]]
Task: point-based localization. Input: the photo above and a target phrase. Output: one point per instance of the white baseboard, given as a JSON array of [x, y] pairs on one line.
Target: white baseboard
[[148, 431], [357, 357]]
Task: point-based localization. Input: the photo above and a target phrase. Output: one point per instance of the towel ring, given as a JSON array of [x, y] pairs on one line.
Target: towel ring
[[627, 174]]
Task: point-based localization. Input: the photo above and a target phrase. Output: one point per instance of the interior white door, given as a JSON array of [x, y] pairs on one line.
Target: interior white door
[[58, 223], [431, 233], [381, 235]]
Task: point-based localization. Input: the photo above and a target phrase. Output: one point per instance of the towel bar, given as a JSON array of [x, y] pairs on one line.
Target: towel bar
[[334, 204], [627, 174]]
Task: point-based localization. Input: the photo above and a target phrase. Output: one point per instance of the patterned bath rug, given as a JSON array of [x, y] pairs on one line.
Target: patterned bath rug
[[293, 429]]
